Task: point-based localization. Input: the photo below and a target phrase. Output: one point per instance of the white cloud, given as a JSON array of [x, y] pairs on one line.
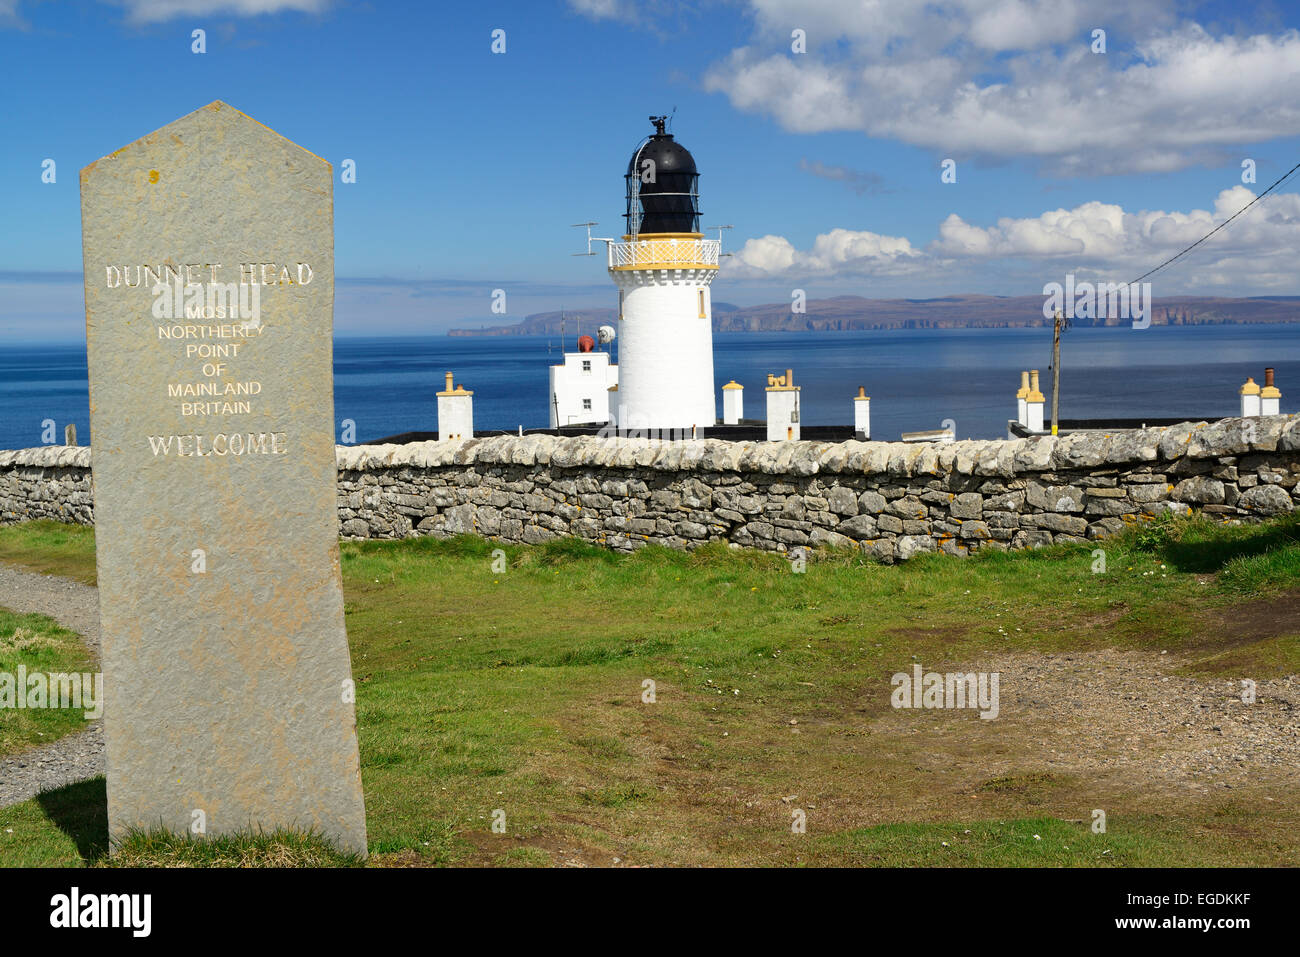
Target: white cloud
[[1093, 240], [765, 256], [912, 29], [1094, 230], [1104, 234], [840, 251], [1017, 77], [603, 9], [659, 16], [156, 11]]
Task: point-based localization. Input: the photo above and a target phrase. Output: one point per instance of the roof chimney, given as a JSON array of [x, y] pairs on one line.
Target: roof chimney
[[862, 415], [782, 407], [1034, 404], [1270, 399], [455, 412], [733, 403], [1249, 393], [1022, 397]]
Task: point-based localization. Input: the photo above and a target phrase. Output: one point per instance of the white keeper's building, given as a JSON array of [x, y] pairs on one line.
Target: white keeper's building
[[581, 387]]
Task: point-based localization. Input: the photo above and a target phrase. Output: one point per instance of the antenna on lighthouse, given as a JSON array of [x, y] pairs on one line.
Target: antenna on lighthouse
[[590, 238], [720, 229]]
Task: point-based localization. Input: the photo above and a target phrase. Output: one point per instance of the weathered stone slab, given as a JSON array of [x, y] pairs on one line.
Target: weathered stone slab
[[227, 673]]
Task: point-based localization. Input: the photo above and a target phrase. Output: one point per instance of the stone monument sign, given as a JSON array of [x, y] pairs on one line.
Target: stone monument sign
[[209, 265]]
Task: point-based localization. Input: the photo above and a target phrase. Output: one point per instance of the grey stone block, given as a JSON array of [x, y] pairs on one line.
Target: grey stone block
[[1266, 500], [967, 505], [1199, 490]]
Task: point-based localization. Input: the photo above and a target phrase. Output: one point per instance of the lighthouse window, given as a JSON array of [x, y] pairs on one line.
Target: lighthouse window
[[701, 303], [586, 365], [586, 405]]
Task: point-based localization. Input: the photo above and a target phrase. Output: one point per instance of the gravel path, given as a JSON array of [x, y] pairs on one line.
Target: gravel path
[[73, 757], [70, 603], [1131, 713]]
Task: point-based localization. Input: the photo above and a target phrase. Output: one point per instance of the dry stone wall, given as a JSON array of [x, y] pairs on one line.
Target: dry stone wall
[[52, 481], [889, 499]]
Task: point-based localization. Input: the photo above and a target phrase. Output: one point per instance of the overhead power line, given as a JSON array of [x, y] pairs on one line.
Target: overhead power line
[[1276, 184], [1061, 324]]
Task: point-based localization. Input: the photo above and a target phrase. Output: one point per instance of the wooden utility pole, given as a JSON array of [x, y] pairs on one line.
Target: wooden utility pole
[[1056, 366]]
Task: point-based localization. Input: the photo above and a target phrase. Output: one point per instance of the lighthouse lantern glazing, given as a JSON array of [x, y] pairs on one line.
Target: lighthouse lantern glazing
[[663, 269]]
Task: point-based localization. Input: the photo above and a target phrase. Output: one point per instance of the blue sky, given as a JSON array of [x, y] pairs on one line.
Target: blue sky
[[471, 165]]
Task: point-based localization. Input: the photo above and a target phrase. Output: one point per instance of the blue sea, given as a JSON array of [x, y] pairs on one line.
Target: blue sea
[[916, 378]]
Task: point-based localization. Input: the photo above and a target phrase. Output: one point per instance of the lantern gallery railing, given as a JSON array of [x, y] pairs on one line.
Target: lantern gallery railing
[[666, 253]]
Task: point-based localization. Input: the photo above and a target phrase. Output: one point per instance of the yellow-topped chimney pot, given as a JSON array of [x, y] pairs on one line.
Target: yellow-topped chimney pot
[[1034, 395]]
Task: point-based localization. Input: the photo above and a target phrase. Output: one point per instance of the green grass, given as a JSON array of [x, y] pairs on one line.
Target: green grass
[[51, 548], [40, 646], [1256, 574], [65, 827], [1251, 558], [280, 848], [520, 690], [69, 826]]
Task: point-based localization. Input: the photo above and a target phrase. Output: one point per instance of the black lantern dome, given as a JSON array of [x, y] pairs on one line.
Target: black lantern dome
[[662, 186]]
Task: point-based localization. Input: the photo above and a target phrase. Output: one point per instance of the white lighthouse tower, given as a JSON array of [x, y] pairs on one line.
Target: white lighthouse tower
[[663, 268]]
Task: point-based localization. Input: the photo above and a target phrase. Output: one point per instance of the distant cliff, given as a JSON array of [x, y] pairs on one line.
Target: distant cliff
[[949, 312]]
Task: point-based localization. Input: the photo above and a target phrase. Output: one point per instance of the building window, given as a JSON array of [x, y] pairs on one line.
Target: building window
[[701, 303], [586, 365], [586, 405], [620, 304]]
